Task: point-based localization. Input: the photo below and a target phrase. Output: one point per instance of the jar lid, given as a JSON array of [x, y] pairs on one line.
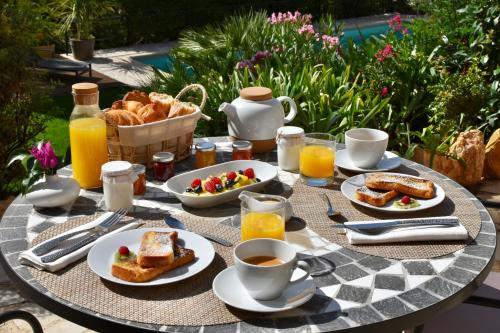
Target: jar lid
[[163, 156], [242, 145], [84, 88], [290, 132], [205, 146], [139, 168], [116, 168], [256, 93]]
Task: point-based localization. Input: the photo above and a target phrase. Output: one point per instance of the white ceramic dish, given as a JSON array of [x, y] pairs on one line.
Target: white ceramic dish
[[177, 185], [102, 255], [350, 185], [389, 161], [228, 288]]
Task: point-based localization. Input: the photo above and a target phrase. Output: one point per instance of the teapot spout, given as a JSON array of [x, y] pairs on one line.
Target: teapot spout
[[228, 109]]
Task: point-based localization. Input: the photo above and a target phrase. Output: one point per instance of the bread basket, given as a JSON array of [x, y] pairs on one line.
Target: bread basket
[[138, 143]]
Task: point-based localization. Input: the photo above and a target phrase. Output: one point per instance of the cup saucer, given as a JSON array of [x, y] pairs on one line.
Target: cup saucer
[[228, 288], [388, 162]]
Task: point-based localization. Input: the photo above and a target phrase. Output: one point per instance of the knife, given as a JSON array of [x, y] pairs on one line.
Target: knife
[[79, 244], [176, 224], [444, 221]]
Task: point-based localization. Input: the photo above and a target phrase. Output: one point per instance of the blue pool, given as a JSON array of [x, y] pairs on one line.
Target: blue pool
[[163, 61]]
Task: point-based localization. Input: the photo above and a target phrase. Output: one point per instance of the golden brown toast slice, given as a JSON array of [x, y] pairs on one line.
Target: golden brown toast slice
[[130, 270], [374, 198], [420, 188], [157, 249]]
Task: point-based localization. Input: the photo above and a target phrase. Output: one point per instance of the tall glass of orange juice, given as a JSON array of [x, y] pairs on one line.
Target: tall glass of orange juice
[[87, 133], [265, 221], [317, 159]]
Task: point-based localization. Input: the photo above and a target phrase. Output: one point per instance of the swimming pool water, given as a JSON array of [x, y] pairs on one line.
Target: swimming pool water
[[163, 61]]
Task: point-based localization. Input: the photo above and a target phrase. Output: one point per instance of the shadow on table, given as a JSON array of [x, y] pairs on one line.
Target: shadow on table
[[81, 206]]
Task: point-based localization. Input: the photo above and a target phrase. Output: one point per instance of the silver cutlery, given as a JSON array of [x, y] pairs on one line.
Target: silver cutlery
[[382, 227], [176, 224], [330, 211], [108, 222]]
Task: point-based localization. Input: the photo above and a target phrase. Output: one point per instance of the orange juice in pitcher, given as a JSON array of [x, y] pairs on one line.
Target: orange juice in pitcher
[[87, 132]]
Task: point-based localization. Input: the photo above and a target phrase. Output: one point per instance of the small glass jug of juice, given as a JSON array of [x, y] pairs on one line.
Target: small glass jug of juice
[[87, 133], [262, 217]]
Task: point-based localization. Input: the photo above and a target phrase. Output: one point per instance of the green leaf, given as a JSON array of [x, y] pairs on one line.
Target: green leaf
[[484, 59], [17, 155]]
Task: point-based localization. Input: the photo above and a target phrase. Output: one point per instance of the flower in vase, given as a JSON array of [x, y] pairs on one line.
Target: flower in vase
[[45, 155]]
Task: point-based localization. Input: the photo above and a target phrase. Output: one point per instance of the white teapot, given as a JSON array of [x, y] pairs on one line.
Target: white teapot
[[256, 116]]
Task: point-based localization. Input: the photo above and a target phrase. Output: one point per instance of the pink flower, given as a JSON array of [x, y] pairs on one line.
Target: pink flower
[[277, 49], [396, 24], [386, 52], [247, 63], [260, 55], [384, 92], [289, 17], [330, 41], [45, 155], [306, 29]]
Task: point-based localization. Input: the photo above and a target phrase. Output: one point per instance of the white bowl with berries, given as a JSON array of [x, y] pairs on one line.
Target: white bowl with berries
[[220, 183]]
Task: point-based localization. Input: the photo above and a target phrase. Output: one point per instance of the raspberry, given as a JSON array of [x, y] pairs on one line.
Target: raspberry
[[231, 175], [216, 180], [210, 186], [406, 200], [249, 173], [196, 183], [123, 251]]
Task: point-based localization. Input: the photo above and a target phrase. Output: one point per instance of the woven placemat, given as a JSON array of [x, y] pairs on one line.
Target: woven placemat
[[190, 302], [308, 206]]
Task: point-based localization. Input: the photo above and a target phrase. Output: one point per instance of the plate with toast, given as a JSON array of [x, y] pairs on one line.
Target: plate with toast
[[392, 192], [150, 256]]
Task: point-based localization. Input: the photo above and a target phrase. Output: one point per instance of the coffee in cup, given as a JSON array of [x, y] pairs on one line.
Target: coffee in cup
[[265, 267], [366, 146]]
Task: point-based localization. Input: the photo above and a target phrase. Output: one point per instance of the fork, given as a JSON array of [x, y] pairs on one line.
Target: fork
[[330, 211], [108, 222]]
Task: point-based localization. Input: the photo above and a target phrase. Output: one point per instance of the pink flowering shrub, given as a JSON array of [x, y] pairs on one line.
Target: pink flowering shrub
[[396, 24], [386, 52]]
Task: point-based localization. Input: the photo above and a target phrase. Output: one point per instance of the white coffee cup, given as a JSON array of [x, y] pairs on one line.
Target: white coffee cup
[[267, 282], [365, 146]]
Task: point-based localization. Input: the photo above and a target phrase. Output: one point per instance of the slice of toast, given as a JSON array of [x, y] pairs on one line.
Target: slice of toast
[[157, 249], [374, 198], [130, 270], [420, 188]]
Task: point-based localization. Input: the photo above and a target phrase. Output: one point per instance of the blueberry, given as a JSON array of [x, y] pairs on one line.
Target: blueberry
[[189, 189], [219, 188], [257, 180], [198, 189], [240, 172], [229, 183]]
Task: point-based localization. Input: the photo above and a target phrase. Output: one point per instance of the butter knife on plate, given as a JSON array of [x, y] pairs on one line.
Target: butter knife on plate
[[172, 222]]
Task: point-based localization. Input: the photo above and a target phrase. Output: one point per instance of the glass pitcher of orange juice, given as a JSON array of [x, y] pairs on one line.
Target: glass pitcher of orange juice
[[264, 219], [317, 159], [87, 133]]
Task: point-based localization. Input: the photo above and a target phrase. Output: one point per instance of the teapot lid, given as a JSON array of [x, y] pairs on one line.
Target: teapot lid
[[256, 93]]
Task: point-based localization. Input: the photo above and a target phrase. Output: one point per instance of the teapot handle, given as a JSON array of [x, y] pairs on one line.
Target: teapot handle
[[293, 108]]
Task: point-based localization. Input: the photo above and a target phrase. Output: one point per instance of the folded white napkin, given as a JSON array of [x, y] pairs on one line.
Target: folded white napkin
[[29, 258], [409, 233]]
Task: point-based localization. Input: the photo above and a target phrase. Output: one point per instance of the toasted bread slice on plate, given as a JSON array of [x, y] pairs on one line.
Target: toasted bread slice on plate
[[157, 249], [130, 270], [374, 198], [417, 187]]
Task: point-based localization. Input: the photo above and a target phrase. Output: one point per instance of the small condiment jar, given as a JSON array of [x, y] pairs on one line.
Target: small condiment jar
[[205, 154], [242, 150], [118, 184], [163, 166], [290, 140], [140, 183]]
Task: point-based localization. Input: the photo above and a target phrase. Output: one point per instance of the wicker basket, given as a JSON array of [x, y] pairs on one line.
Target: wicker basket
[[138, 144]]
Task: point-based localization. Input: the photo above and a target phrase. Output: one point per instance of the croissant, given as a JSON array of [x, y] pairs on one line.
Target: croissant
[[137, 96], [162, 102], [179, 108], [117, 105], [132, 106], [122, 117], [148, 114]]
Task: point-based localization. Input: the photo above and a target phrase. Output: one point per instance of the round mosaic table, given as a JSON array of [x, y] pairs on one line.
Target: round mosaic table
[[362, 293]]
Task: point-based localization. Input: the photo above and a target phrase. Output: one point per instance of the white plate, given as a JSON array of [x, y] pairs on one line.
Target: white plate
[[350, 185], [388, 162], [228, 288], [178, 184], [102, 255]]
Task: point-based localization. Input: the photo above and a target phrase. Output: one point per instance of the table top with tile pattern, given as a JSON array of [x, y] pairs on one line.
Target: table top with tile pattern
[[355, 291]]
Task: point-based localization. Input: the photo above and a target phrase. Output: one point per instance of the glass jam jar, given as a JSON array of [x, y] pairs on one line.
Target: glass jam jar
[[242, 150], [118, 179], [205, 154], [163, 166], [140, 183]]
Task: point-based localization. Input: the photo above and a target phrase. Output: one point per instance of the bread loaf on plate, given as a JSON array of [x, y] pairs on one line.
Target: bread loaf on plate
[[417, 187], [157, 249]]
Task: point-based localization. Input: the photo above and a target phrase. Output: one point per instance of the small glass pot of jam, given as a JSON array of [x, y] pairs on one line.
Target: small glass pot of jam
[[140, 183], [242, 150], [205, 154], [163, 166]]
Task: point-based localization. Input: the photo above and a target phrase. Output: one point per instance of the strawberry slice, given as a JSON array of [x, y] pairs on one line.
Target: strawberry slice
[[196, 183], [231, 175], [210, 186], [249, 173]]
